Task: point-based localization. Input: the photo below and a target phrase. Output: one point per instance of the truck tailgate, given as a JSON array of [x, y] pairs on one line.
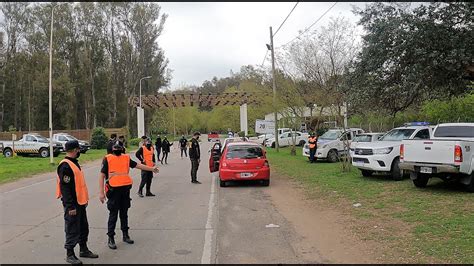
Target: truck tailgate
[[429, 151]]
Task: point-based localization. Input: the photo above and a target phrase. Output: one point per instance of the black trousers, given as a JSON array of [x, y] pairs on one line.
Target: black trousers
[[185, 152], [165, 157], [194, 169], [147, 176], [158, 151], [118, 204], [76, 227], [312, 152]]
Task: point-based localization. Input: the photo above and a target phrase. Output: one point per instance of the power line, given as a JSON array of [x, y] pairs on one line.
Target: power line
[[310, 25], [263, 62], [285, 19]]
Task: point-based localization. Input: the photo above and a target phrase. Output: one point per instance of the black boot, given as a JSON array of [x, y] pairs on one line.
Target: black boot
[[71, 257], [126, 238], [140, 194], [111, 243]]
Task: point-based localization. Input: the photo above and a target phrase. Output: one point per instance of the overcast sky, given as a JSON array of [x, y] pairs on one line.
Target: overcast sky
[[203, 40]]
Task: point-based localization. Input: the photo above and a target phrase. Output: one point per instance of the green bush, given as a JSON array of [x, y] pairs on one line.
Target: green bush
[[135, 141], [99, 139]]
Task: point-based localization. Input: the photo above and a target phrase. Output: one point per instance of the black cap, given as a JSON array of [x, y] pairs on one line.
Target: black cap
[[71, 145], [117, 145], [197, 133], [144, 137]]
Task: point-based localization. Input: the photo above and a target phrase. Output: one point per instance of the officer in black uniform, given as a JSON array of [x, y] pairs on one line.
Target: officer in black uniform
[[75, 216], [113, 138], [195, 156]]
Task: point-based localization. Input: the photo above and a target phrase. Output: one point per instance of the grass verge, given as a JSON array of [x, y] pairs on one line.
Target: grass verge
[[19, 167], [432, 225]]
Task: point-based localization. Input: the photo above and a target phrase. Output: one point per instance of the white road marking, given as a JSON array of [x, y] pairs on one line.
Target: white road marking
[[206, 252]]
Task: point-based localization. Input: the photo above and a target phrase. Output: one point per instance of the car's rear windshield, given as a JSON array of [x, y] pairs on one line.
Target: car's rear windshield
[[244, 152], [454, 131], [363, 138], [398, 134]]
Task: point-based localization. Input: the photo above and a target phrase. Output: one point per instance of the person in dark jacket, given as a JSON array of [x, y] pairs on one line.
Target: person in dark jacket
[[165, 145], [183, 144], [124, 143], [158, 145], [113, 138], [71, 187], [195, 156]]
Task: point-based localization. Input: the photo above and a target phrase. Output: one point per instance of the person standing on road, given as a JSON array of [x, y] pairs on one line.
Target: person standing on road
[[113, 138], [146, 155], [115, 175], [158, 145], [72, 189], [312, 141], [183, 144], [195, 156], [165, 145], [124, 144]]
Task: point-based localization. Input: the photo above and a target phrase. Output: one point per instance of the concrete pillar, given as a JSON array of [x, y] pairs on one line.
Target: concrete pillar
[[243, 119], [140, 122]]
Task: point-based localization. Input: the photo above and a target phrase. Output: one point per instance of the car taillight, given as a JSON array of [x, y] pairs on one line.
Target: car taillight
[[457, 154], [402, 151], [266, 164]]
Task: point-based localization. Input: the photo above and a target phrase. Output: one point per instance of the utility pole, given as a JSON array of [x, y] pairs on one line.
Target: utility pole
[[274, 90]]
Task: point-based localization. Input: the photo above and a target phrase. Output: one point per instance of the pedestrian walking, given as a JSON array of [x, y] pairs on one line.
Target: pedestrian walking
[[165, 146], [71, 187], [115, 175], [183, 144], [146, 155], [195, 156], [124, 143], [158, 145], [312, 141], [110, 143]]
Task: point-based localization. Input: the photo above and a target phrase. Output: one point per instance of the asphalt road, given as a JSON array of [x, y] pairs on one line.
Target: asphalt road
[[184, 223]]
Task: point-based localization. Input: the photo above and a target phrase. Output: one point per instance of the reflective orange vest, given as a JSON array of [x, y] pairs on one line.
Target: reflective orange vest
[[312, 145], [82, 195], [119, 167], [148, 156]]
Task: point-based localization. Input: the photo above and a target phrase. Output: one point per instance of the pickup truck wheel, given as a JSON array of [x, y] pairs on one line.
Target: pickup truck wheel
[[419, 180], [366, 173], [470, 187], [222, 183], [396, 172], [8, 152], [273, 145], [332, 156], [302, 142], [44, 153]]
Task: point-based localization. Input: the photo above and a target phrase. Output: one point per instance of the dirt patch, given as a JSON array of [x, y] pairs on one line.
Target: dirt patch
[[325, 230]]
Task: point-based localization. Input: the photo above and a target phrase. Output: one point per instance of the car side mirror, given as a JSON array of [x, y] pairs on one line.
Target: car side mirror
[[35, 140]]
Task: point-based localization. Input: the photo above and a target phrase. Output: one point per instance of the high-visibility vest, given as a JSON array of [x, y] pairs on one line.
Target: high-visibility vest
[[82, 195], [148, 156], [312, 145], [119, 167]]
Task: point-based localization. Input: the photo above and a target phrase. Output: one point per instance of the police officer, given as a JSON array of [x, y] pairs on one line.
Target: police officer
[[72, 189], [115, 173], [183, 144], [110, 143], [195, 156], [146, 155]]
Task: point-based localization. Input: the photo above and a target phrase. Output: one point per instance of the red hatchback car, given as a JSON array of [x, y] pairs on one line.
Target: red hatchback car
[[240, 161]]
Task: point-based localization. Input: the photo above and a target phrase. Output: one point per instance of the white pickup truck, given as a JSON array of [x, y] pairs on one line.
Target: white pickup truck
[[30, 144], [448, 155]]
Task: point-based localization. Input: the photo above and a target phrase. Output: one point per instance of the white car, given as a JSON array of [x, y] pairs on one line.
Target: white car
[[286, 139], [330, 145], [384, 155], [361, 138], [264, 137]]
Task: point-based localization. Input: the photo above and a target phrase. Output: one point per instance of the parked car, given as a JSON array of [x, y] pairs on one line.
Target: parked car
[[240, 161], [212, 136], [286, 139], [365, 137], [64, 137], [384, 155], [234, 139], [330, 145], [448, 155], [30, 144]]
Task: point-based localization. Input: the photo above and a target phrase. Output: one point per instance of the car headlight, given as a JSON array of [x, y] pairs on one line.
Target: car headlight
[[383, 150]]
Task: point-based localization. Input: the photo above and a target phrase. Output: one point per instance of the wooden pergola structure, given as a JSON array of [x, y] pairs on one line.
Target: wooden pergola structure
[[169, 100]]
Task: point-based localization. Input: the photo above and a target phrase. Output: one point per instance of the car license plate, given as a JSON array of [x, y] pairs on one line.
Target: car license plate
[[426, 170], [357, 163], [245, 175]]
